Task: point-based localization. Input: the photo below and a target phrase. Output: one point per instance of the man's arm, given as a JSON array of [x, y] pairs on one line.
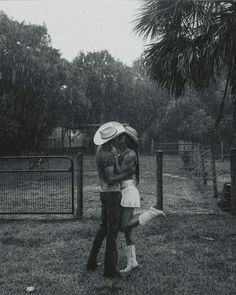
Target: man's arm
[[114, 178]]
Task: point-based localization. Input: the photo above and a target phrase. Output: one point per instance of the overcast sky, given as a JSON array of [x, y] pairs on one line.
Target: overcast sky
[[87, 25]]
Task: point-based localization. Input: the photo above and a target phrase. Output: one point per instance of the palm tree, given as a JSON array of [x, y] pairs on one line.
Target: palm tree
[[190, 43]]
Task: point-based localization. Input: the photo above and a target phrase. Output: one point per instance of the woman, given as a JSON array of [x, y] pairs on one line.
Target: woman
[[127, 159]]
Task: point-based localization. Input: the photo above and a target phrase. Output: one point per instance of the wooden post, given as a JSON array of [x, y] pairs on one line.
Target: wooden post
[[233, 181], [79, 209], [197, 161], [222, 150], [213, 169], [62, 138], [152, 146], [203, 169], [159, 175]]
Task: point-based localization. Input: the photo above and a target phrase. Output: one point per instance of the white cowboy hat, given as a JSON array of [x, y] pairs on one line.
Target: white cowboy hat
[[107, 132], [132, 133]]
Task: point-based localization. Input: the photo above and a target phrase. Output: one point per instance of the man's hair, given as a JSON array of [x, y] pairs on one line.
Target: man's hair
[[131, 144]]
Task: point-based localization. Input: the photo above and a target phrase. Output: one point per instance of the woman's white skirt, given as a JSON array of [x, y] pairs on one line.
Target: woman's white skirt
[[130, 194]]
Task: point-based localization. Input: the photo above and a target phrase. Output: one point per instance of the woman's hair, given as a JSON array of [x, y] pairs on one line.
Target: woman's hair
[[131, 144]]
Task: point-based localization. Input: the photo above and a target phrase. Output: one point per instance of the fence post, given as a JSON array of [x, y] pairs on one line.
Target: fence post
[[159, 175], [79, 209], [152, 146], [213, 169], [203, 169], [199, 163], [222, 151], [233, 180]]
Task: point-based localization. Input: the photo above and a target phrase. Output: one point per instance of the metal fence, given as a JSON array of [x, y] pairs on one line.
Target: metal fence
[[36, 185], [180, 159]]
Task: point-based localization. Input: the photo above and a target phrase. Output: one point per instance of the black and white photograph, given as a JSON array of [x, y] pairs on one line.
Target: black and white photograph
[[117, 147]]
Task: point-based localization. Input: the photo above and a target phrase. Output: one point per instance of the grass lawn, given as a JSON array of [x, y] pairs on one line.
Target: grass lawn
[[178, 255], [193, 251]]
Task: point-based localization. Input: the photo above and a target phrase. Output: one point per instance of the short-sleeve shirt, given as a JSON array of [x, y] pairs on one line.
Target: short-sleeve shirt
[[104, 159]]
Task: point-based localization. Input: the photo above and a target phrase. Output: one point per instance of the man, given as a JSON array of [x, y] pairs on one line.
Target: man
[[106, 137]]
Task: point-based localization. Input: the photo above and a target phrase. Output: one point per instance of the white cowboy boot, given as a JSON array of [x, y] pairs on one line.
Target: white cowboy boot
[[129, 266], [134, 260], [150, 214]]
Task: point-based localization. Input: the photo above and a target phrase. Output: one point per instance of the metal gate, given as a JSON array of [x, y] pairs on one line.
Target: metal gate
[[36, 185]]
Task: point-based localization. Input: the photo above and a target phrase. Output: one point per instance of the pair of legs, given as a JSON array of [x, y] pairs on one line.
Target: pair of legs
[[109, 228], [129, 221], [135, 220], [127, 216], [127, 224]]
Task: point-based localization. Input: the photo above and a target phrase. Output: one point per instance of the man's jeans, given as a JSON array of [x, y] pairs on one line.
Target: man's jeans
[[109, 228]]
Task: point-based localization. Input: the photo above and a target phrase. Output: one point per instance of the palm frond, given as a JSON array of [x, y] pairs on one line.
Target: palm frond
[[190, 40]]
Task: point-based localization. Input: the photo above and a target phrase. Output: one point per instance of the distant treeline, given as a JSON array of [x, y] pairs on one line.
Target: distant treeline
[[40, 91]]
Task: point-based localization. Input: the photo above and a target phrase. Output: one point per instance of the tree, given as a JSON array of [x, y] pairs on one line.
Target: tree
[[98, 76], [191, 42], [186, 119], [145, 97], [31, 72], [192, 117]]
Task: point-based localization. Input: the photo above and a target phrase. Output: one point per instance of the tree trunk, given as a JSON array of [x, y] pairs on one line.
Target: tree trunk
[[233, 156], [233, 181], [234, 115]]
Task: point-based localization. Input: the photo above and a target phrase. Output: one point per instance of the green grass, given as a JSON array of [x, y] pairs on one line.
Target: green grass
[[176, 256]]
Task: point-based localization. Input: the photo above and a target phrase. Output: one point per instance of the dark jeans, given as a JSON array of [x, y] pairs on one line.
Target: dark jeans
[[109, 228]]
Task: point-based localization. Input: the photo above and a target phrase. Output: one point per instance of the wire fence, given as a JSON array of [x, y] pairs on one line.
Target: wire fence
[[43, 185], [36, 185], [180, 192], [201, 163]]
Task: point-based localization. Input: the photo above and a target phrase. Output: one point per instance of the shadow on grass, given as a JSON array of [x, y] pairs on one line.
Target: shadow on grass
[[21, 242], [40, 219], [48, 219], [111, 289]]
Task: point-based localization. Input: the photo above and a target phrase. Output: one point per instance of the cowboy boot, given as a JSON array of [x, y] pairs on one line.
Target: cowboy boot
[[150, 214], [129, 260], [133, 255]]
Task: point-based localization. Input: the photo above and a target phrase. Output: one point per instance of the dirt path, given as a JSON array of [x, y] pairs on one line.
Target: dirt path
[[185, 196]]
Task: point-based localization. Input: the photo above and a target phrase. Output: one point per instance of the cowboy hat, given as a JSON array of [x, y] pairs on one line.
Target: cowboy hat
[[132, 133], [107, 132]]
